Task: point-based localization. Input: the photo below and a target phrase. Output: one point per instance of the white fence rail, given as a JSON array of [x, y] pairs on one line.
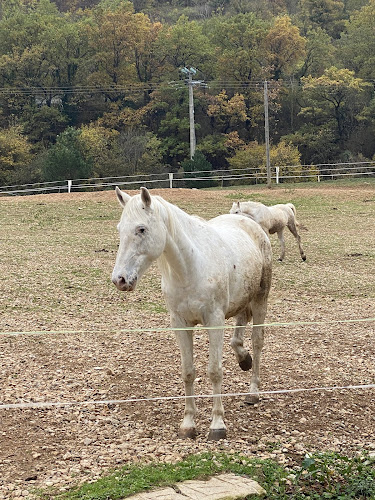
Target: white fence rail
[[320, 172]]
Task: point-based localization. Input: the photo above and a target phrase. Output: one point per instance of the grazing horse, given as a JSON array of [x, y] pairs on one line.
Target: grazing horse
[[211, 270], [273, 220]]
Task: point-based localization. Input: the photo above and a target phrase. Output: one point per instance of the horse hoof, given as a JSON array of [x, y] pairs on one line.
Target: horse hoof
[[280, 259], [252, 399], [216, 434], [189, 433], [246, 363], [304, 258]]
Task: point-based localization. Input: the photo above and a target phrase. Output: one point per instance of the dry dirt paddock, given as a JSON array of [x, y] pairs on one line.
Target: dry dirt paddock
[[57, 254]]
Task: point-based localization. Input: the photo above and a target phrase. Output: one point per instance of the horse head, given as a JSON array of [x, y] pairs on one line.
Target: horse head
[[236, 208], [142, 238]]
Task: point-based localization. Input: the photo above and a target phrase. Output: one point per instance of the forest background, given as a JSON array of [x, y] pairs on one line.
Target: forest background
[[95, 89]]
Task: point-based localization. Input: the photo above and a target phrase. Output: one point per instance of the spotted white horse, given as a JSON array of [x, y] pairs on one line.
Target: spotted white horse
[[211, 270], [273, 219]]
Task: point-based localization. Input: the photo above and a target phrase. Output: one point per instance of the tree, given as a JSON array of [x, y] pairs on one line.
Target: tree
[[66, 159], [357, 46], [140, 152], [197, 167], [252, 158], [240, 46], [43, 124], [227, 113], [320, 53], [215, 150], [168, 118], [329, 15], [335, 98], [15, 156], [285, 45], [98, 143], [185, 44]]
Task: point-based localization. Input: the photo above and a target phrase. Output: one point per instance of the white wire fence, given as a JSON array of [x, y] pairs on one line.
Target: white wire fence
[[203, 178], [24, 405]]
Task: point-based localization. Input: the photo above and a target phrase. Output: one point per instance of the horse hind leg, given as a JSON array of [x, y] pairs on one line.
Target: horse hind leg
[[243, 356], [293, 229], [257, 339], [280, 235]]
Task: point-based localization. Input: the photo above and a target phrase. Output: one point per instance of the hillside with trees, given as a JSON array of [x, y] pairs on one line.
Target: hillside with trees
[[95, 89]]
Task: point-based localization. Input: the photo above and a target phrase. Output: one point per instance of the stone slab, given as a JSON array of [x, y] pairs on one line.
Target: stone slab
[[163, 494], [222, 487]]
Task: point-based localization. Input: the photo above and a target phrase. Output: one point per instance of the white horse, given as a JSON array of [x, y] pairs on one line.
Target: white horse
[[211, 270], [273, 219]]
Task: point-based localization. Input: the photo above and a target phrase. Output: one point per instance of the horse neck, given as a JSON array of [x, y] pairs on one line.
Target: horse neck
[[180, 250]]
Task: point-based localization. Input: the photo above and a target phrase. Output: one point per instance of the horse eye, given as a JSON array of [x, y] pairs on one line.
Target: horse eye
[[140, 230]]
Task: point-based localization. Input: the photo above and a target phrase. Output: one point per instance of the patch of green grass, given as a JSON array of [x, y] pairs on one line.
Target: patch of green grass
[[239, 196], [326, 475]]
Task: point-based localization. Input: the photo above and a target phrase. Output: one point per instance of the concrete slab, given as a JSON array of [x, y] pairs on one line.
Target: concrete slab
[[222, 487]]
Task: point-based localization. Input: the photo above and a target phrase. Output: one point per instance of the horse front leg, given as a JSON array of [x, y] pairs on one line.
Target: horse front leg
[[185, 342], [215, 372]]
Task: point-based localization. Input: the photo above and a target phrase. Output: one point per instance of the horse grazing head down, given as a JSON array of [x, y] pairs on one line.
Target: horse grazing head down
[[142, 238]]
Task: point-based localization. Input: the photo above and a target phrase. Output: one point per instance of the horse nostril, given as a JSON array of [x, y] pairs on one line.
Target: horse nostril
[[118, 280]]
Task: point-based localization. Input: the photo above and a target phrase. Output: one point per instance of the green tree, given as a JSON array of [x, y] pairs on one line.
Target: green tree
[[215, 150], [66, 159], [197, 167], [41, 49], [168, 118], [357, 46], [185, 44], [43, 124], [336, 98], [240, 46], [329, 15], [320, 53]]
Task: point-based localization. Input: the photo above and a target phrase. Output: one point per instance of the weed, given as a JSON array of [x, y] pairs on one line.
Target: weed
[[329, 475]]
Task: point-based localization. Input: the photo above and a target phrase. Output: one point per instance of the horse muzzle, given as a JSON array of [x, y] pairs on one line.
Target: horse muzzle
[[125, 284]]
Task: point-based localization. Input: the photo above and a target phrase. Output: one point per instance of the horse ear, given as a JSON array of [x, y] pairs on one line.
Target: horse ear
[[145, 197], [238, 205], [122, 197]]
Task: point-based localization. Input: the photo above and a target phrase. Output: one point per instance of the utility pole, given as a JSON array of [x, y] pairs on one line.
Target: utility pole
[[267, 134], [191, 114], [190, 82]]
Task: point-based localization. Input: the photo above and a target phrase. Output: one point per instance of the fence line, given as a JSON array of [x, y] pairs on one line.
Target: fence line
[[59, 404], [50, 404], [323, 170], [187, 328]]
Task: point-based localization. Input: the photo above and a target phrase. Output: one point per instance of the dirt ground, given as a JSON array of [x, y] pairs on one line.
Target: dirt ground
[[57, 253]]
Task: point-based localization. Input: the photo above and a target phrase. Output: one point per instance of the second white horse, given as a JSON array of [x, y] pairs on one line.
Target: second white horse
[[273, 219]]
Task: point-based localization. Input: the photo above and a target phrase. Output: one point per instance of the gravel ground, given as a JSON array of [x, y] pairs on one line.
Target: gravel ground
[[90, 358]]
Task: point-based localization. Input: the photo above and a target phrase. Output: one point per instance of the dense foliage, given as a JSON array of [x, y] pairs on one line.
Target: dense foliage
[[95, 88]]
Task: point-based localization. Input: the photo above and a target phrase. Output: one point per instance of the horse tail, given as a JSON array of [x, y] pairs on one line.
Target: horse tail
[[290, 205], [293, 208]]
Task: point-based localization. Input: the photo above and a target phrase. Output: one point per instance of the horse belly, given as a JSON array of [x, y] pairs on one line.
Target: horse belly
[[243, 289]]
